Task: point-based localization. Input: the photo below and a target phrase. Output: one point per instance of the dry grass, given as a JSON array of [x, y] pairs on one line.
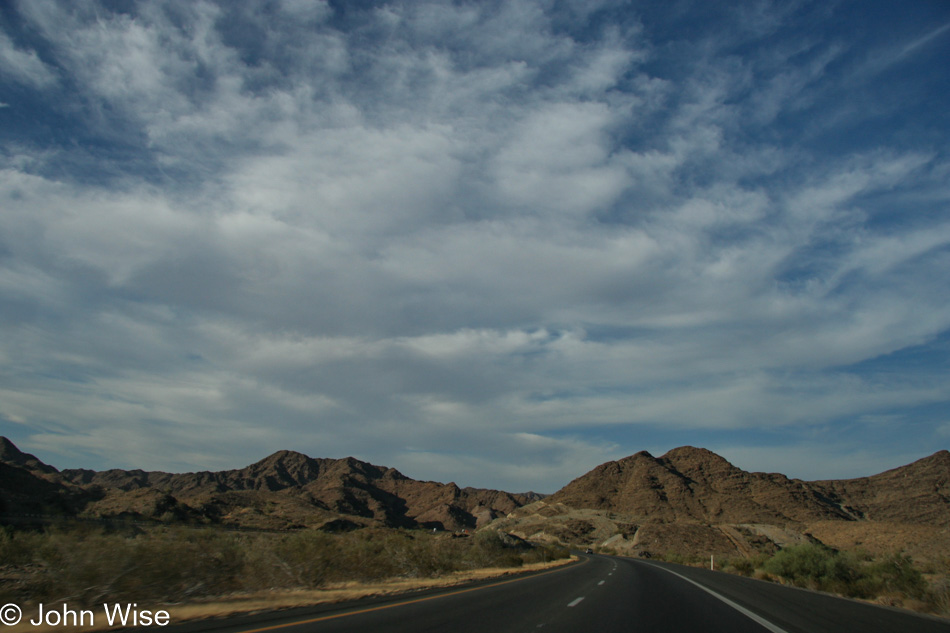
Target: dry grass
[[925, 543], [273, 600], [204, 573]]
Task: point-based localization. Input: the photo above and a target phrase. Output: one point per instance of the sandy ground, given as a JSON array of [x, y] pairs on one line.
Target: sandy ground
[[262, 601], [925, 543]]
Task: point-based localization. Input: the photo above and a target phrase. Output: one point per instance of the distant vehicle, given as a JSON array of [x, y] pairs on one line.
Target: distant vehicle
[[588, 551]]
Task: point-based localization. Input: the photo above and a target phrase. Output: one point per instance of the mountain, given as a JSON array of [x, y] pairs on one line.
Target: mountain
[[10, 454], [916, 493], [690, 499], [285, 490], [690, 484], [28, 486], [693, 503]]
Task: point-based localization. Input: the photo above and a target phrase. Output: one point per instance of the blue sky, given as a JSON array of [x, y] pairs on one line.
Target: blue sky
[[497, 243]]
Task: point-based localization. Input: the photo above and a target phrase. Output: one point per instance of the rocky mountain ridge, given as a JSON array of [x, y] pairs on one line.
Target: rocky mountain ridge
[[691, 502], [284, 490], [690, 484], [687, 486]]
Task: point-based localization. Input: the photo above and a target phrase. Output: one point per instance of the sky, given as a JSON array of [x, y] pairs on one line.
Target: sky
[[496, 243]]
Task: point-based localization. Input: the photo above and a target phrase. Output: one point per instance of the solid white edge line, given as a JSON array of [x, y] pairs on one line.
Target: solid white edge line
[[738, 607], [575, 602]]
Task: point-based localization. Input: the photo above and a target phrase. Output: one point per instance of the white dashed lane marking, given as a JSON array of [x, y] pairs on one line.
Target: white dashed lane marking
[[601, 582], [575, 602]]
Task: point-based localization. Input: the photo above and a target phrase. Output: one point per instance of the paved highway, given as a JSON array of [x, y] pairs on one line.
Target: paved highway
[[601, 594]]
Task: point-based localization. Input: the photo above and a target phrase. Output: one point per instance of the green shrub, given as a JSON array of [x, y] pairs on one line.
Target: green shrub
[[173, 564], [742, 566], [803, 565], [684, 559], [897, 574], [847, 573], [545, 553]]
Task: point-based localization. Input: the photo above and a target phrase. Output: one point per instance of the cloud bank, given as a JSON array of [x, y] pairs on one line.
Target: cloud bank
[[496, 242]]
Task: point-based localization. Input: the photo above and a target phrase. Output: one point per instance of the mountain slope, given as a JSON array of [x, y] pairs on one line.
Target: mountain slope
[[687, 485], [284, 490], [916, 493], [695, 485], [28, 486]]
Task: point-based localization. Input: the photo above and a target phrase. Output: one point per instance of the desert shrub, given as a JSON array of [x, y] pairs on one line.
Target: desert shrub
[[817, 567], [897, 574], [545, 553], [803, 564], [742, 566], [846, 573], [18, 548], [488, 549], [429, 557], [938, 597], [174, 564], [367, 555], [85, 567], [378, 554], [300, 559], [684, 559]]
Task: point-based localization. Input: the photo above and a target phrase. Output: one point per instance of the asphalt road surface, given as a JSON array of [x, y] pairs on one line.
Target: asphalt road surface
[[600, 594]]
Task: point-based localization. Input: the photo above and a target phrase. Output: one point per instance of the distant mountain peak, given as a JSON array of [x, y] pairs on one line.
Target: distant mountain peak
[[289, 453], [690, 457], [693, 453], [696, 484], [629, 460], [286, 489], [940, 457], [9, 451], [284, 457], [10, 454]]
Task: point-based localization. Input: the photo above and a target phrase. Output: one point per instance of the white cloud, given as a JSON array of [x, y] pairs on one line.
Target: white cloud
[[559, 159], [354, 179], [307, 11], [889, 57], [434, 226], [539, 463], [24, 66]]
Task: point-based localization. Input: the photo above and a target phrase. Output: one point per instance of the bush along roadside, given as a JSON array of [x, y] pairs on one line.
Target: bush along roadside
[[87, 566], [893, 579]]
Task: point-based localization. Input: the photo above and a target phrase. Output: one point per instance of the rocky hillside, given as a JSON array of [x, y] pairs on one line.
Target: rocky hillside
[[916, 493], [284, 490], [696, 485], [691, 501], [28, 486]]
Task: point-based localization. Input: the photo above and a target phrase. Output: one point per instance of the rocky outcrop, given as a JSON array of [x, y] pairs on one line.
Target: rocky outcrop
[[285, 490], [916, 493], [291, 490], [690, 484]]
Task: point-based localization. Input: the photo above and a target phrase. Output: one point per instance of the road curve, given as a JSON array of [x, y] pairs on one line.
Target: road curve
[[602, 594]]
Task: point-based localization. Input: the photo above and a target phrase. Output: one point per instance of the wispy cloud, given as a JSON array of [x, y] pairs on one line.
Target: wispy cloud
[[24, 65], [904, 51], [495, 243]]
